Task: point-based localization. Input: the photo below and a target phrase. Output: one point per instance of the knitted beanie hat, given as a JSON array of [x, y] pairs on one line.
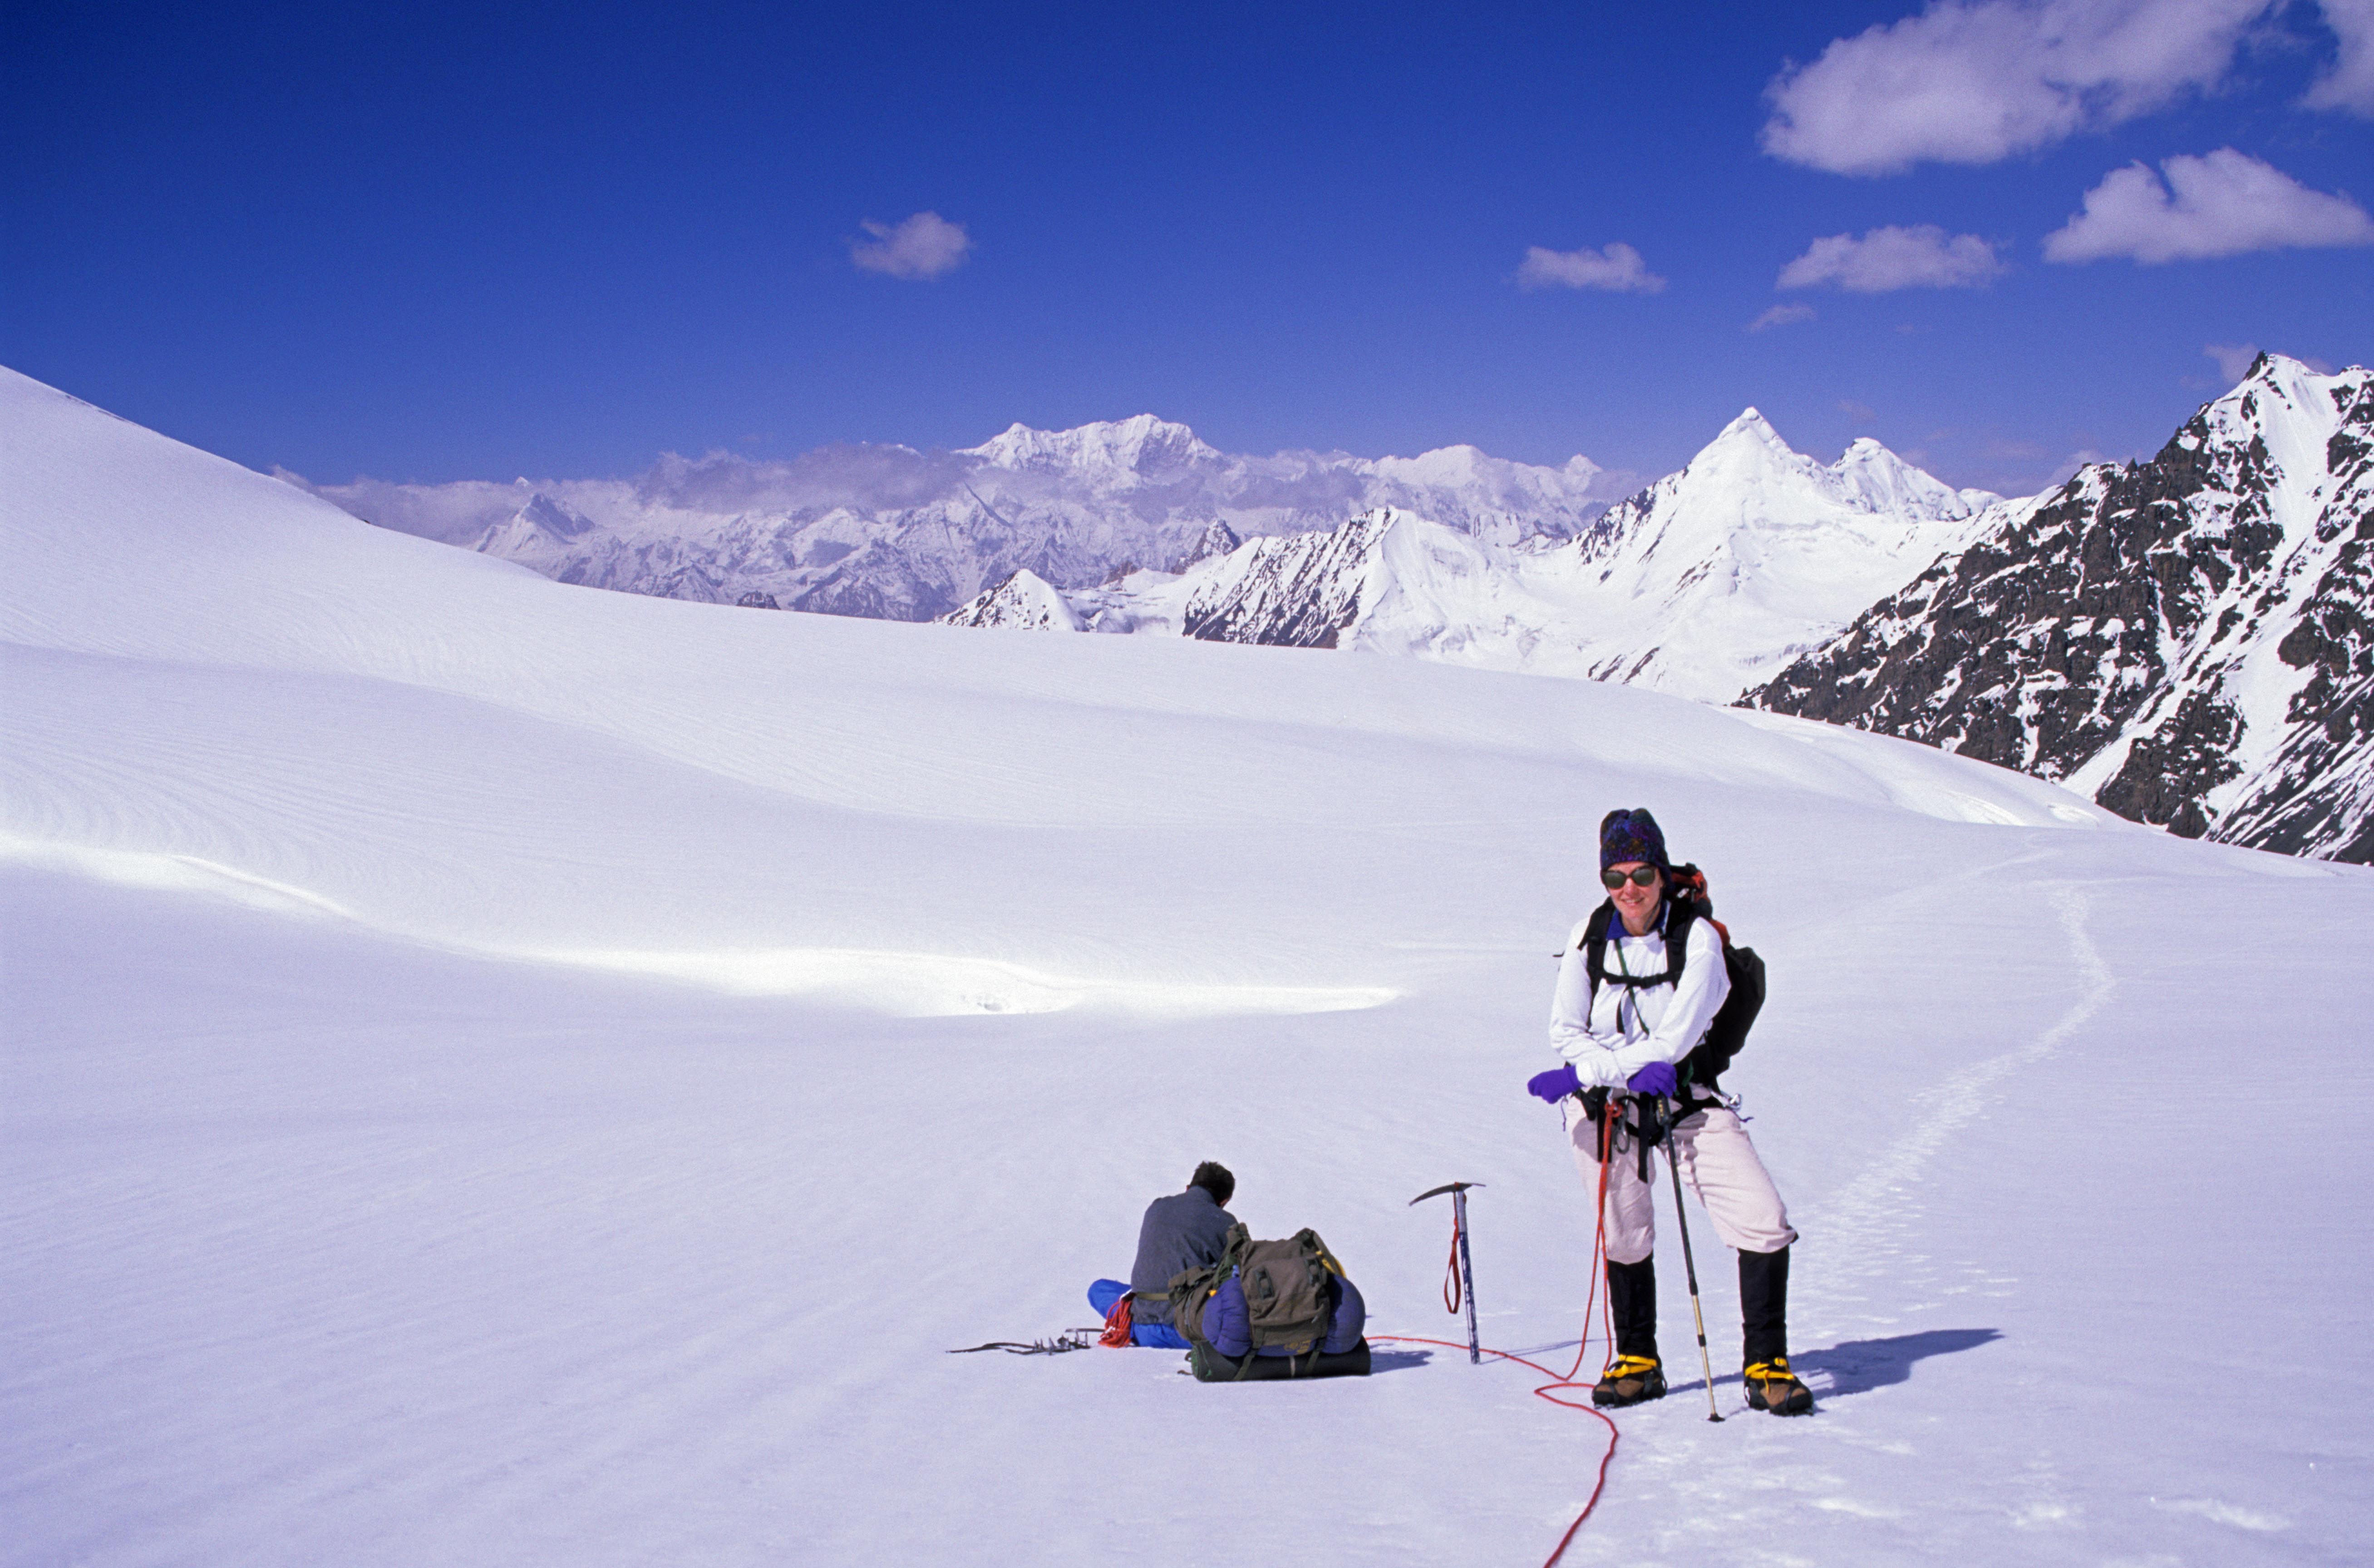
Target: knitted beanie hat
[[1632, 835]]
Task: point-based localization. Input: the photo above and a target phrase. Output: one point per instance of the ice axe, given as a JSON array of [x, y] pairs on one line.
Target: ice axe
[[1462, 1284]]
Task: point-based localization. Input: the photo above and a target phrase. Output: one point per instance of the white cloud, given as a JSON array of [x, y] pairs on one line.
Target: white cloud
[[1617, 268], [1782, 316], [2348, 82], [923, 246], [2223, 204], [1975, 83], [2234, 360], [1924, 256]]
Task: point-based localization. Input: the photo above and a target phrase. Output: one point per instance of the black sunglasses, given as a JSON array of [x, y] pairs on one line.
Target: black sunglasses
[[1642, 876]]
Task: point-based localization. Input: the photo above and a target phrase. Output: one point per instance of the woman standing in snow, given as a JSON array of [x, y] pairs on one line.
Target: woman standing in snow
[[1623, 1040]]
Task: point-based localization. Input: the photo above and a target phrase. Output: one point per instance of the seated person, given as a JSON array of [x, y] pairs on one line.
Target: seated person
[[1186, 1230], [1190, 1230]]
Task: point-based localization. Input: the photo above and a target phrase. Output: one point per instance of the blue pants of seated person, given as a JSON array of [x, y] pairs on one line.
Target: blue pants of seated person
[[1153, 1336], [1226, 1319]]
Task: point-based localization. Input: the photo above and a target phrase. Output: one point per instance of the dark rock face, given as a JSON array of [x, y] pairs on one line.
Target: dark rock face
[[2140, 633], [1217, 539]]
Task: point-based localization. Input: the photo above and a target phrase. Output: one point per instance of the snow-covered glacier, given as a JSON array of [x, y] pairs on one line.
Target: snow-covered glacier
[[498, 1075]]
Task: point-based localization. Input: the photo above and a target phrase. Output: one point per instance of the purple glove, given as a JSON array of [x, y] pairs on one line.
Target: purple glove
[[1657, 1077], [1557, 1083]]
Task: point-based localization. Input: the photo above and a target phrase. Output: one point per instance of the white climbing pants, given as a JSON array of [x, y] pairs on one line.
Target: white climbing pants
[[1717, 1162]]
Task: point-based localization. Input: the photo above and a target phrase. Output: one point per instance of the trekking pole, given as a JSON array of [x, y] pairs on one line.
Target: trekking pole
[[1458, 1190], [1690, 1269]]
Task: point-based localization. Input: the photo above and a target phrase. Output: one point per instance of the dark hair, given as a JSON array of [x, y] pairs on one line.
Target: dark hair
[[1214, 1178]]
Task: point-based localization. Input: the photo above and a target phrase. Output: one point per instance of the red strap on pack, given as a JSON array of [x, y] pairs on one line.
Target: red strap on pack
[[1117, 1327]]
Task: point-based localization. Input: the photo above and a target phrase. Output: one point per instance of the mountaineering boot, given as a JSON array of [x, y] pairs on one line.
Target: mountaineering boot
[[1633, 1380], [1763, 1325], [1632, 1302], [1765, 1337], [1772, 1387], [1763, 1305]]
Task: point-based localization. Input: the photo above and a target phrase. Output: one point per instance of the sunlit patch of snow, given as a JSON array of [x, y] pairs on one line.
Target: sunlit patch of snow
[[2223, 1513], [930, 985], [169, 873], [1860, 1510]]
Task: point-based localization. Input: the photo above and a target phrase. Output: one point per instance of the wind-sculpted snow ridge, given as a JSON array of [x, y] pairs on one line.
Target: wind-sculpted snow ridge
[[2186, 640], [890, 533], [1704, 584]]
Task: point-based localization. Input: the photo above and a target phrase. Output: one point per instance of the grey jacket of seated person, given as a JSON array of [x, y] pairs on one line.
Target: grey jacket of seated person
[[1186, 1230]]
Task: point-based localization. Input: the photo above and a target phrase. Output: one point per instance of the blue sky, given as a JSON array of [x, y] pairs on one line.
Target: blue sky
[[424, 243]]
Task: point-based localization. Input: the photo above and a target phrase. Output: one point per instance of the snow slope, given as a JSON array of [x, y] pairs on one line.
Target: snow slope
[[497, 1074]]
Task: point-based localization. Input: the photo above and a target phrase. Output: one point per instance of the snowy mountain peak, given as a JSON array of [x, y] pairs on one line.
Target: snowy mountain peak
[[1143, 445], [1747, 452], [1875, 478], [1024, 601], [1749, 427], [1749, 481], [2279, 396]]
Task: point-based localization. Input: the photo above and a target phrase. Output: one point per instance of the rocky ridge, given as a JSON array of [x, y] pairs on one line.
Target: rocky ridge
[[2184, 639]]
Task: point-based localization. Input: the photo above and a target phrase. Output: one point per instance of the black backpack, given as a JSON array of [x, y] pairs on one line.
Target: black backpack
[[1686, 901]]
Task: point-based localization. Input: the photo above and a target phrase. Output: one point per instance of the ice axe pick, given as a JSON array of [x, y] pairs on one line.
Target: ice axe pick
[[1462, 1284]]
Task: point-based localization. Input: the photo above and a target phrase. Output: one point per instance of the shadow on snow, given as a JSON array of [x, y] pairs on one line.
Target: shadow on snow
[[1857, 1366]]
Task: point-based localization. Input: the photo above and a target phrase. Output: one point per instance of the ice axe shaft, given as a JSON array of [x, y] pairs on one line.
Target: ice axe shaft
[[1458, 1190]]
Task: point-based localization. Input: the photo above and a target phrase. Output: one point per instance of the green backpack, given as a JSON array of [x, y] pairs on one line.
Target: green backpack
[[1288, 1302]]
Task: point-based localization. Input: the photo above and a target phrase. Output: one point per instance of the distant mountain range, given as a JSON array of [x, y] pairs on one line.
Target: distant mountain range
[[900, 534], [2186, 640], [1703, 584]]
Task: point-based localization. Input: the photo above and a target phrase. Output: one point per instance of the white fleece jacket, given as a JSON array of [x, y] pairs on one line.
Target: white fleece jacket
[[1613, 1036]]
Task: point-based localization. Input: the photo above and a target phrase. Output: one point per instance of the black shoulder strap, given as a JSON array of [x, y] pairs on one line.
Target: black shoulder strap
[[1678, 916], [1594, 943]]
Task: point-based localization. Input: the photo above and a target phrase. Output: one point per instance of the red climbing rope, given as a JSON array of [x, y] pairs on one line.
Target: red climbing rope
[[1607, 1337]]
